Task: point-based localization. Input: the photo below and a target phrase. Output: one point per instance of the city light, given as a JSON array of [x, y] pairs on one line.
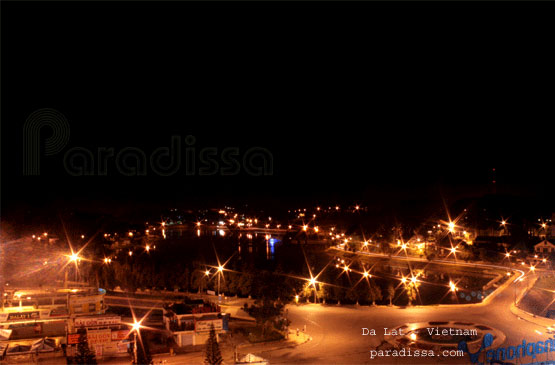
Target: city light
[[74, 257], [452, 286], [207, 273], [136, 326]]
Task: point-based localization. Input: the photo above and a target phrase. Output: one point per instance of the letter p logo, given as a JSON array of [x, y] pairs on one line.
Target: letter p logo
[[31, 138]]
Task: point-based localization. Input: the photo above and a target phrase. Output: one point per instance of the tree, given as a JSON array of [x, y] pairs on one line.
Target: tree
[[266, 312], [411, 290], [213, 354], [84, 354], [390, 293], [375, 292]]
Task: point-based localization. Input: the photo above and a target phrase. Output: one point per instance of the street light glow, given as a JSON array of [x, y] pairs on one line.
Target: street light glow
[[136, 326]]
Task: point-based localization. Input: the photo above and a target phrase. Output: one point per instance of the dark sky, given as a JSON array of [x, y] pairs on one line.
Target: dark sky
[[371, 103]]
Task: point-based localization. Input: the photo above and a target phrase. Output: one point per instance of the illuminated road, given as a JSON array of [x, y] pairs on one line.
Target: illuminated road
[[337, 334]]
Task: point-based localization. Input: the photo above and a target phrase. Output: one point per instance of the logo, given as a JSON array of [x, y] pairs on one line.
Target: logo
[[499, 355], [486, 342]]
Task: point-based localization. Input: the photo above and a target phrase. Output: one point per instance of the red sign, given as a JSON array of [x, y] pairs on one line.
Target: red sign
[[119, 335], [73, 339]]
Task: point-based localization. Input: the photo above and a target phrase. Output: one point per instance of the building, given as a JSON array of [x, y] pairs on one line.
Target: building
[[191, 326], [107, 335], [37, 313], [544, 247]]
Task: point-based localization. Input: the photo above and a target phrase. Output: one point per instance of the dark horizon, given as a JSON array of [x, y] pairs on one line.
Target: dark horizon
[[337, 128]]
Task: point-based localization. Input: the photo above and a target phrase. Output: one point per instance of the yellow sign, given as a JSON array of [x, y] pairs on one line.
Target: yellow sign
[[98, 337]]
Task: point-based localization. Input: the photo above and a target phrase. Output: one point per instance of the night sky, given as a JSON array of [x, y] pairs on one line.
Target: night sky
[[378, 108]]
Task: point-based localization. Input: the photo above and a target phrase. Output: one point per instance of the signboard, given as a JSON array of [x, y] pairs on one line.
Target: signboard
[[23, 315], [204, 326], [97, 321], [73, 339], [119, 335], [99, 337], [59, 312], [122, 347], [5, 334], [98, 350], [85, 300]]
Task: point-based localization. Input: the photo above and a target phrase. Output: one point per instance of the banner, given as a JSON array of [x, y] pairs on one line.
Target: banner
[[73, 339], [23, 315], [204, 326], [99, 337], [96, 321], [119, 335]]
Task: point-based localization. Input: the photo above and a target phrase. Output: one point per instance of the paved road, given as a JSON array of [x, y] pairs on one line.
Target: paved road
[[337, 334]]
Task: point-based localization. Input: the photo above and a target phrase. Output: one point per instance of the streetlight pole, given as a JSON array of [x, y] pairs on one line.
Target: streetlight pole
[[135, 360]]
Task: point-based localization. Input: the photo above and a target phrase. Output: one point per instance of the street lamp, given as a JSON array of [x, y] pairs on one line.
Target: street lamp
[[135, 328], [220, 271], [312, 281]]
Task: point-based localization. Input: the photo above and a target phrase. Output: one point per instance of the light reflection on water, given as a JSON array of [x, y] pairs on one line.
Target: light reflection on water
[[246, 243]]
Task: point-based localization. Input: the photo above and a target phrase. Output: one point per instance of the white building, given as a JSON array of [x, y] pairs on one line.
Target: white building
[[545, 247]]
